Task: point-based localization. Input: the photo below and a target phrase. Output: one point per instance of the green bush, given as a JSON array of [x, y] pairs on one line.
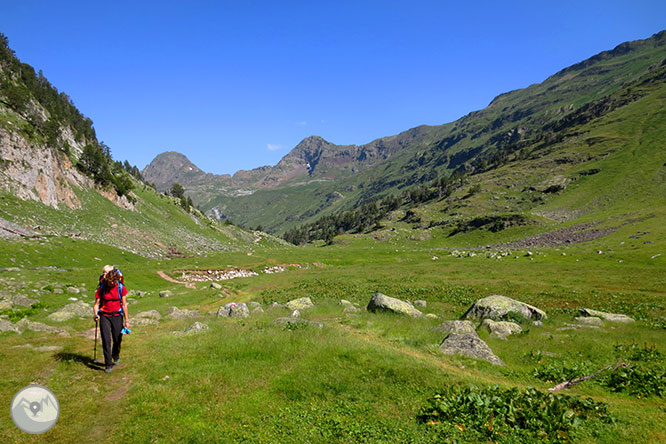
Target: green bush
[[640, 381], [481, 414]]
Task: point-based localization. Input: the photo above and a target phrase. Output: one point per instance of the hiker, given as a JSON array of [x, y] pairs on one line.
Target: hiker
[[110, 308], [108, 268]]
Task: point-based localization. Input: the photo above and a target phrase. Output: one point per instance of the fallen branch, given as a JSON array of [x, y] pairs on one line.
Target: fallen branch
[[570, 382]]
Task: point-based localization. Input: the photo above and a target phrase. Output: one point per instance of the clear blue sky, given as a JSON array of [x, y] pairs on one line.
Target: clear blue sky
[[237, 84]]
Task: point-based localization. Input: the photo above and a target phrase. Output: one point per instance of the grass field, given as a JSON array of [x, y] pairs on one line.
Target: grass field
[[363, 377]]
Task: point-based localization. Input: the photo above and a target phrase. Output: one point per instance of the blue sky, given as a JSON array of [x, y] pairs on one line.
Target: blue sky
[[237, 84]]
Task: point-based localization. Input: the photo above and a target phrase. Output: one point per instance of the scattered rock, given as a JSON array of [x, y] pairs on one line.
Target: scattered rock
[[257, 310], [234, 310], [497, 307], [38, 326], [381, 302], [215, 285], [166, 293], [78, 308], [8, 326], [58, 291], [345, 302], [420, 303], [469, 345], [48, 348], [300, 304], [501, 329], [252, 305], [23, 300], [296, 314], [73, 290], [297, 321], [152, 314], [177, 313], [61, 316], [73, 299], [537, 323], [610, 317], [350, 309], [140, 294], [195, 328], [275, 306], [591, 320], [5, 304], [141, 322], [431, 316], [458, 327]]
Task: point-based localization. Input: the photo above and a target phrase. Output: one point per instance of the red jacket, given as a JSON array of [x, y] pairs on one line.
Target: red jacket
[[110, 303]]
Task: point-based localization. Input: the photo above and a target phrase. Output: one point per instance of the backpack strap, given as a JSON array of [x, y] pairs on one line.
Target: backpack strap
[[120, 296]]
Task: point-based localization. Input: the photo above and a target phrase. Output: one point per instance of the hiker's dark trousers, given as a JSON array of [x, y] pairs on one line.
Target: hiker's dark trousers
[[110, 327]]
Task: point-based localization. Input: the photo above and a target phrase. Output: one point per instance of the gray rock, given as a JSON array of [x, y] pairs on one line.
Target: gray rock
[[275, 306], [78, 308], [39, 327], [257, 310], [61, 316], [195, 328], [58, 291], [381, 302], [166, 293], [501, 329], [177, 313], [458, 327], [592, 320], [610, 317], [469, 345], [73, 290], [299, 304], [8, 326], [497, 307], [350, 309], [48, 348], [152, 314], [23, 300], [297, 321], [252, 305], [141, 322], [215, 286], [295, 314], [345, 302], [5, 304], [420, 303], [234, 310], [537, 323], [140, 294]]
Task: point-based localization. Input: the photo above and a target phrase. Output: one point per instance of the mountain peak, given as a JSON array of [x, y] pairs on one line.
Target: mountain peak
[[169, 167]]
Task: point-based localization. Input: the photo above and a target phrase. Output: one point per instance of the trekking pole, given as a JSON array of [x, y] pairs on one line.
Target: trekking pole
[[95, 353]]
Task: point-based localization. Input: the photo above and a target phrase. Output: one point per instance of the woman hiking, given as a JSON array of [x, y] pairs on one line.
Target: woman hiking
[[110, 306]]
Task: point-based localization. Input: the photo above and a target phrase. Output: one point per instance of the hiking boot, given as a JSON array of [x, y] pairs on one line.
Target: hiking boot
[[108, 369], [116, 361]]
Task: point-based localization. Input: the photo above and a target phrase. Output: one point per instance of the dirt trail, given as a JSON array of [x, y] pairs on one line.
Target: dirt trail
[[166, 277]]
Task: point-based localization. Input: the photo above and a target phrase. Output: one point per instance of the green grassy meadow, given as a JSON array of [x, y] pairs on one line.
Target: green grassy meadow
[[363, 377]]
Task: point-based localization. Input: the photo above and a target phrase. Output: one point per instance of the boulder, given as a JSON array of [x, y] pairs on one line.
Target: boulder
[[195, 328], [469, 345], [381, 302], [177, 313], [257, 310], [501, 329], [152, 314], [610, 317], [141, 322], [78, 308], [61, 316], [420, 303], [497, 307], [234, 310], [296, 321], [592, 320], [252, 305], [300, 304], [8, 326], [215, 286], [38, 326], [458, 327], [166, 293], [23, 300]]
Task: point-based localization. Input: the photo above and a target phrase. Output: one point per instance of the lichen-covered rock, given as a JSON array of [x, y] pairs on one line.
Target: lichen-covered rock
[[78, 308], [432, 316], [610, 317], [300, 304], [195, 328], [458, 327], [5, 304], [152, 314], [345, 302], [23, 300], [252, 305], [38, 326], [420, 303], [257, 310], [501, 329], [275, 306], [350, 309], [142, 322], [61, 316], [469, 345], [381, 302], [73, 290], [215, 286], [296, 321], [592, 320], [166, 293], [497, 307], [234, 310], [177, 313], [8, 326]]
